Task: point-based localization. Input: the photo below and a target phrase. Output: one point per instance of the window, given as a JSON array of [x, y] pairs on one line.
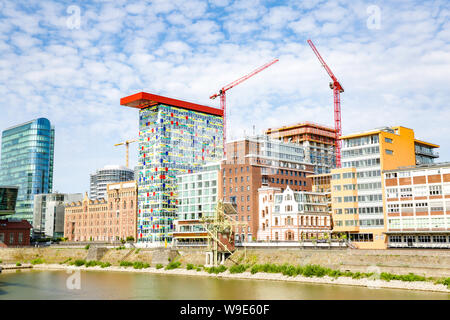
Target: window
[[2, 237], [425, 239], [388, 140], [20, 238], [395, 239], [389, 151], [435, 190], [11, 238], [441, 239]]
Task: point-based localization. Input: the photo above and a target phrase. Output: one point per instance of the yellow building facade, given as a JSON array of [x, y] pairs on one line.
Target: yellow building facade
[[357, 188]]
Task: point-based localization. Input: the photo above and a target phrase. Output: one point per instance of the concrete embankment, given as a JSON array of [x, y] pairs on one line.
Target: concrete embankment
[[429, 263]]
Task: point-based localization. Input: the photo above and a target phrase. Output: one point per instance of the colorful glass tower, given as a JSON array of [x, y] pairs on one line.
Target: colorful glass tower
[[27, 162], [175, 137]]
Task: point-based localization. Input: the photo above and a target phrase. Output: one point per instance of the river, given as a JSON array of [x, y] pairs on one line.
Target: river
[[35, 284]]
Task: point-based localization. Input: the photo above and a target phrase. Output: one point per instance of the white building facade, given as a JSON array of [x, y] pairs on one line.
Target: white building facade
[[418, 206], [292, 215], [48, 213], [197, 199]]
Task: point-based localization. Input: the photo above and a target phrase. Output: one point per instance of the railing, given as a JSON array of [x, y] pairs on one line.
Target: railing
[[293, 244]]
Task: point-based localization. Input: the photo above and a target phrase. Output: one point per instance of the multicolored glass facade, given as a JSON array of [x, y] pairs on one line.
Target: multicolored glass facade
[[172, 141], [27, 162]]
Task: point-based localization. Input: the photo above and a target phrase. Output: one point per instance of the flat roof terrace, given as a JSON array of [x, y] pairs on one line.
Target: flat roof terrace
[[144, 100]]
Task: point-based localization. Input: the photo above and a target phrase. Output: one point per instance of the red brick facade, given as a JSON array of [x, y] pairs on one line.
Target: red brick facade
[[14, 233]]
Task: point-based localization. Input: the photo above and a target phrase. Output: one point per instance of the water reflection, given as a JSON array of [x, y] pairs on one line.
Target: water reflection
[[119, 285]]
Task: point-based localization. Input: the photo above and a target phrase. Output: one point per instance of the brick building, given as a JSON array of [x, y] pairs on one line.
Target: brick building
[[14, 232], [259, 161], [110, 219]]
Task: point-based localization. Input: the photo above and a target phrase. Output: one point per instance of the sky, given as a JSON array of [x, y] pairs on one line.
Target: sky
[[72, 61]]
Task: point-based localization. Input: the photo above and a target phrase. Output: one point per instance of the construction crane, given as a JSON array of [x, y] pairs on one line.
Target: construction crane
[[222, 95], [337, 89], [126, 143]]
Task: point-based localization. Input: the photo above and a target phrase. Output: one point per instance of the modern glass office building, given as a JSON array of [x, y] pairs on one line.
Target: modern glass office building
[[175, 137], [27, 162], [8, 198]]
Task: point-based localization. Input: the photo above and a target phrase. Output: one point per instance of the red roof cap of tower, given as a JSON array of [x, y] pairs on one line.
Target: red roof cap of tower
[[143, 100]]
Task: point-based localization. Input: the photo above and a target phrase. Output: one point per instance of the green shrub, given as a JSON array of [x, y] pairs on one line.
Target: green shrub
[[255, 269], [79, 262], [18, 264], [92, 263], [1, 261], [189, 266], [199, 269], [173, 265], [105, 264], [239, 268], [37, 261], [217, 270], [159, 266], [126, 263], [140, 265], [66, 261], [445, 282], [87, 246], [137, 251]]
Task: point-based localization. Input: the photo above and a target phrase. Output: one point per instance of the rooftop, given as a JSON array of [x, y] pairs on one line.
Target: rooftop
[[421, 167], [144, 100]]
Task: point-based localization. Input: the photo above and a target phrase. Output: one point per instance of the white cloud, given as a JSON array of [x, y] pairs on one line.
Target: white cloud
[[189, 49]]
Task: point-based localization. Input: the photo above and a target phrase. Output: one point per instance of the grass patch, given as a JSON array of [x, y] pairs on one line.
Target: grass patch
[[189, 266], [238, 268], [105, 264], [217, 270], [18, 264], [159, 266], [403, 277], [140, 265], [173, 265], [126, 264], [79, 262], [87, 246], [37, 261]]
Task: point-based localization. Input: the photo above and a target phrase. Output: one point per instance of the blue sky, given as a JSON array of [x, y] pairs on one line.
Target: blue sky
[[393, 59]]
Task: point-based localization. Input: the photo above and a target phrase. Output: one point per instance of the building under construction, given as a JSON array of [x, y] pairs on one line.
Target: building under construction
[[319, 143]]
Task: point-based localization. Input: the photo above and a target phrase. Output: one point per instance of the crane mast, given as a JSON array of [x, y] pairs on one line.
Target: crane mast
[[337, 88]]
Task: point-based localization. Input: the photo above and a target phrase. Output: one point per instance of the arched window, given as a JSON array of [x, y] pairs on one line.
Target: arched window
[[301, 221], [276, 236], [264, 226], [325, 221], [317, 221], [124, 204], [307, 221], [131, 204], [110, 206], [276, 221]]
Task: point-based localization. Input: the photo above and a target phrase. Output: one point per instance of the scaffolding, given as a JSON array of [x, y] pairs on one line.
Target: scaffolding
[[221, 228]]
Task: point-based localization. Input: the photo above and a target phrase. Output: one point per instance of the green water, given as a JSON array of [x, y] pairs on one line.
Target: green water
[[120, 285]]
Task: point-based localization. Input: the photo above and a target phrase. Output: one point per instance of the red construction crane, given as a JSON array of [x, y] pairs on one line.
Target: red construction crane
[[223, 91], [337, 89]]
